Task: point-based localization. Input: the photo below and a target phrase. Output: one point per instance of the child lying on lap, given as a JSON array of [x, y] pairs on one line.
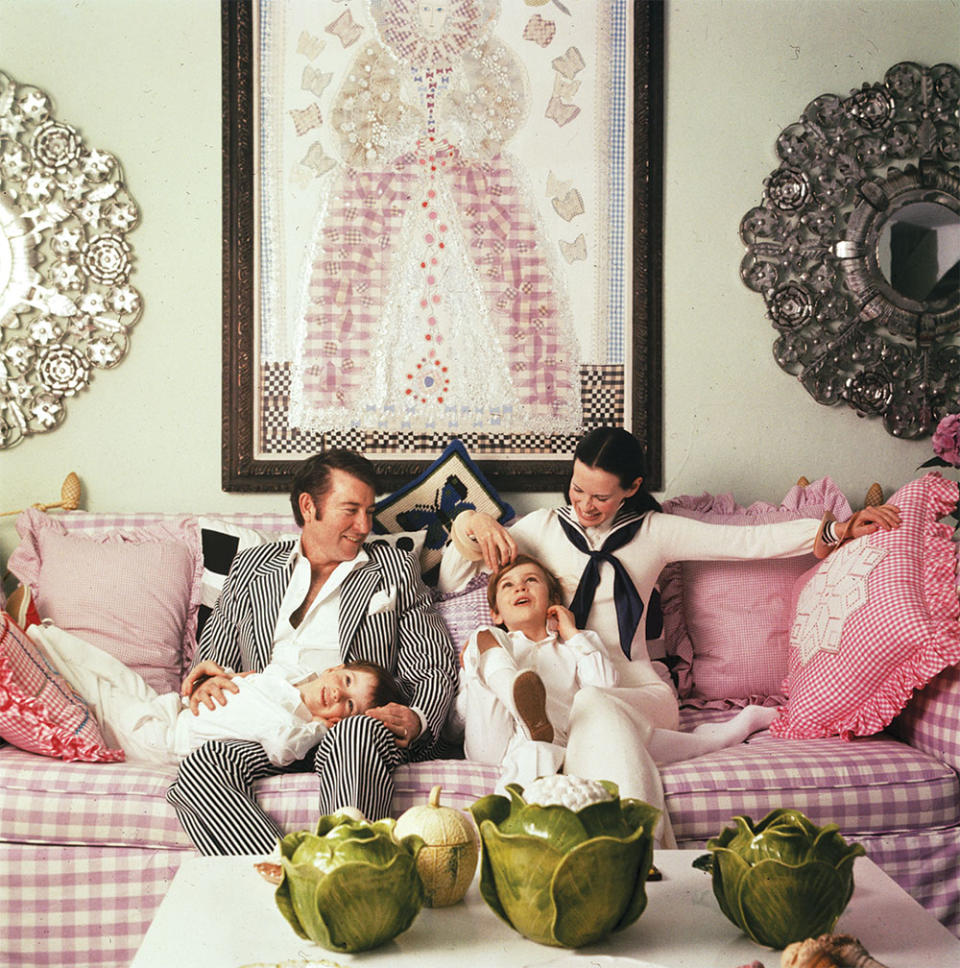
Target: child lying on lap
[[288, 720]]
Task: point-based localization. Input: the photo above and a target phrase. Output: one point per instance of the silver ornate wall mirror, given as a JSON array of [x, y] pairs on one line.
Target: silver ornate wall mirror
[[66, 302], [855, 248]]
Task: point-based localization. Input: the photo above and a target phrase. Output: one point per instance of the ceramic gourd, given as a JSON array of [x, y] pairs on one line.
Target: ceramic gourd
[[448, 859]]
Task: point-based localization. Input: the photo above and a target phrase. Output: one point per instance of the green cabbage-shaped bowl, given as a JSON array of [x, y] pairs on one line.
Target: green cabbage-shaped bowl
[[783, 879], [350, 886], [562, 876]]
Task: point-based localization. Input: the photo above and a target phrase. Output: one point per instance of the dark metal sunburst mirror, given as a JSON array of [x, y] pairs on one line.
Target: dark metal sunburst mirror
[[855, 248]]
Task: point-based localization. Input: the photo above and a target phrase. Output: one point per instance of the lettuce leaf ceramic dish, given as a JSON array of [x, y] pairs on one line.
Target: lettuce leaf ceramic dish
[[783, 879], [563, 876], [350, 886]]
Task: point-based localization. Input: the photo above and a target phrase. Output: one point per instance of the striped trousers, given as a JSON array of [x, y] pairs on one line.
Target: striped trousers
[[213, 792]]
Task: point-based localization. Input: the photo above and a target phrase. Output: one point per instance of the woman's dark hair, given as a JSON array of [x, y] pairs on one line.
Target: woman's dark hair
[[313, 476], [387, 689], [618, 452]]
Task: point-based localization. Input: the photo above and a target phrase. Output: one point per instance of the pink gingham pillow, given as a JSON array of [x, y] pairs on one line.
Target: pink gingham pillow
[[133, 593], [875, 621], [726, 623], [39, 711]]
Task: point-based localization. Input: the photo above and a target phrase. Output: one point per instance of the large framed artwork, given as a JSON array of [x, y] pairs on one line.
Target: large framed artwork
[[441, 221]]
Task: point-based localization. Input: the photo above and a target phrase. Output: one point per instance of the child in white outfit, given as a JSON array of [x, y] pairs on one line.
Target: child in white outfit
[[518, 682], [287, 719]]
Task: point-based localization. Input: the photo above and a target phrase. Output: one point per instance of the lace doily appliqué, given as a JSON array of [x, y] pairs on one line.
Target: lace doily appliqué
[[66, 305], [831, 596]]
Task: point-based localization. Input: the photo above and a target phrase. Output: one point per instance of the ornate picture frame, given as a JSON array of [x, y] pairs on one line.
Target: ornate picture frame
[[250, 397]]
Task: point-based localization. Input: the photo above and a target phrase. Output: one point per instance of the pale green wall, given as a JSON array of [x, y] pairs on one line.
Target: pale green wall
[[141, 78], [738, 72]]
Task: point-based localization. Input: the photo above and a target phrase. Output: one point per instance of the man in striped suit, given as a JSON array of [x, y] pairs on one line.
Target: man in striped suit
[[309, 605]]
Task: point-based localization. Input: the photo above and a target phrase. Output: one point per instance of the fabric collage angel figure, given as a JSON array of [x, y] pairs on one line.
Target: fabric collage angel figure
[[429, 294]]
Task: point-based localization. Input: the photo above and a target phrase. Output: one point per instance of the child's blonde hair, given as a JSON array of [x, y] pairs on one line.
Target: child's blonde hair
[[554, 588]]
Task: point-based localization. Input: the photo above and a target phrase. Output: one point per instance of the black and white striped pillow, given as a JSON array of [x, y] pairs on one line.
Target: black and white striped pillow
[[220, 541]]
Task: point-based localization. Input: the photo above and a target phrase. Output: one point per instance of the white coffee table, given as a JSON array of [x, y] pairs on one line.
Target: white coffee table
[[219, 913]]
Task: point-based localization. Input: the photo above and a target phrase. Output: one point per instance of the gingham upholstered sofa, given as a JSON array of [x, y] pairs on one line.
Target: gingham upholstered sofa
[[87, 850]]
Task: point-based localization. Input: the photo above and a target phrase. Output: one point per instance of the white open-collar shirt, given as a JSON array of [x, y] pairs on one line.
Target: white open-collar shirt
[[314, 645]]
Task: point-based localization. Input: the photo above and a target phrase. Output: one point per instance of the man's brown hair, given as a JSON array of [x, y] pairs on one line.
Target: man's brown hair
[[314, 477]]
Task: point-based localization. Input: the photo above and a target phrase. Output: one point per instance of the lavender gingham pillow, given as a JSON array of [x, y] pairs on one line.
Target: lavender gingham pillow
[[727, 623], [931, 721], [465, 611]]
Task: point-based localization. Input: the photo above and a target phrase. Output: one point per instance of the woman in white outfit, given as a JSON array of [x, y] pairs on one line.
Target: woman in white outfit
[[608, 548]]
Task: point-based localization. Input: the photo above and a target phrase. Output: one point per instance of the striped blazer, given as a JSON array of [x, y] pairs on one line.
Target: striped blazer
[[404, 633]]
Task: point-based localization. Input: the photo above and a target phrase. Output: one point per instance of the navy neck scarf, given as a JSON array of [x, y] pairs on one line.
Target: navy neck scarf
[[625, 595]]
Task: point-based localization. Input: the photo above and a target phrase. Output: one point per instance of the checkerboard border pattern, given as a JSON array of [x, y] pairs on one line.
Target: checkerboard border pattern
[[602, 394]]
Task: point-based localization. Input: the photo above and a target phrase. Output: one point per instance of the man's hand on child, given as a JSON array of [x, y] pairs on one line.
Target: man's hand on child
[[206, 684], [564, 620], [402, 721]]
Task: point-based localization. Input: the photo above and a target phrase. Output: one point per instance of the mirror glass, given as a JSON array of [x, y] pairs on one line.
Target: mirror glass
[[14, 261], [918, 251]]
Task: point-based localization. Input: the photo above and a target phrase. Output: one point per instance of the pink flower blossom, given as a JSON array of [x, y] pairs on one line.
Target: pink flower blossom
[[946, 439]]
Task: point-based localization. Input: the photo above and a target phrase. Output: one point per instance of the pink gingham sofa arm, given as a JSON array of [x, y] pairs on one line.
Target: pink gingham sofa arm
[[931, 721]]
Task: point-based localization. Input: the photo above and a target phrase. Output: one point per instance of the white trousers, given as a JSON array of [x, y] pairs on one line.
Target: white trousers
[[609, 732], [492, 735]]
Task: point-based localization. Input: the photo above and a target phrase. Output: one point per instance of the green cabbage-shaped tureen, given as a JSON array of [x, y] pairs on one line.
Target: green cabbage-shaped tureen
[[784, 879], [351, 886], [565, 863]]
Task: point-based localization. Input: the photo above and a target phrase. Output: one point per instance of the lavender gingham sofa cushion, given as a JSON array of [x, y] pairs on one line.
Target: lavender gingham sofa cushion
[[931, 721], [873, 784], [41, 802], [869, 784]]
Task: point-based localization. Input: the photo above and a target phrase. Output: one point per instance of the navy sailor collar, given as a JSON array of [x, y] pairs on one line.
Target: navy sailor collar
[[621, 519]]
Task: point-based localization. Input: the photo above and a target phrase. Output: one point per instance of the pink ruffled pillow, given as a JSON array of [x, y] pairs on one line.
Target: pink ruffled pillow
[[133, 593], [875, 621], [726, 623], [39, 711]]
